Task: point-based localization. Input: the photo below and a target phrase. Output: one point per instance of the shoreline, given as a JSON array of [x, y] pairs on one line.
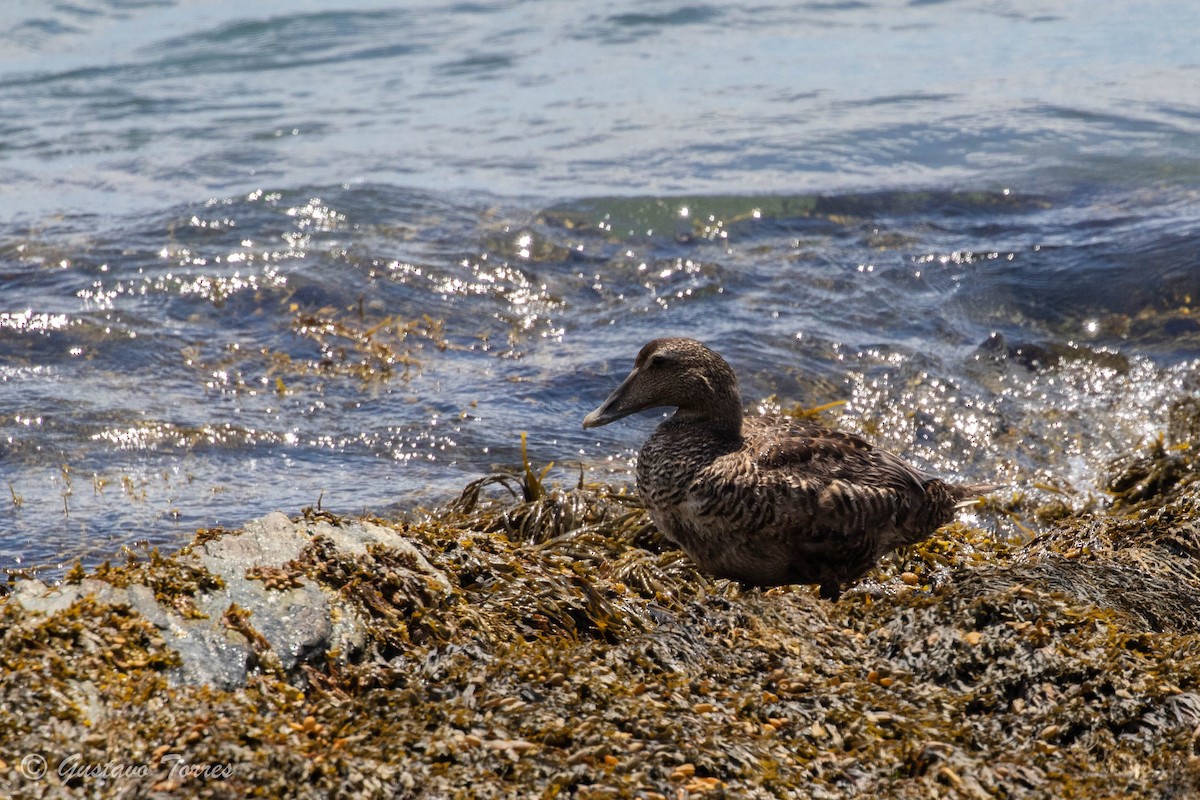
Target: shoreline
[[533, 639]]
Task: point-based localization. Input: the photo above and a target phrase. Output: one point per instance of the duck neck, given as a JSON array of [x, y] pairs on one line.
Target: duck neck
[[722, 414]]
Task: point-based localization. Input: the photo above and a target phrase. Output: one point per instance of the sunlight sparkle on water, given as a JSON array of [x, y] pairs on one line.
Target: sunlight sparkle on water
[[28, 321], [524, 242], [316, 215]]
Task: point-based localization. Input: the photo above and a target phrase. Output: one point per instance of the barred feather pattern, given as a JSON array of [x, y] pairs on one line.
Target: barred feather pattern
[[787, 501]]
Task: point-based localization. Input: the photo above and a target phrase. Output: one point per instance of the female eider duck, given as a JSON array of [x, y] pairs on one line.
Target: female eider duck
[[767, 500]]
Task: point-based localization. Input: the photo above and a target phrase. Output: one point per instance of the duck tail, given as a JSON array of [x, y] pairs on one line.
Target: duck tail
[[965, 494]]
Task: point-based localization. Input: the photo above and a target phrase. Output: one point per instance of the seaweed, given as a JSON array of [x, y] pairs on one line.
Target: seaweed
[[548, 642], [174, 583]]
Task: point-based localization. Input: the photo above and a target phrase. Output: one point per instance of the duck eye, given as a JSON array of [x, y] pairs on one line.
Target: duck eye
[[657, 360]]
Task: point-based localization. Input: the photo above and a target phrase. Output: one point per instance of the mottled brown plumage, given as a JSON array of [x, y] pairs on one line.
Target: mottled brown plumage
[[767, 500]]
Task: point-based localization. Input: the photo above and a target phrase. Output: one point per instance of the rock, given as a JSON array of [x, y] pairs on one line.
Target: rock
[[300, 621], [1038, 356]]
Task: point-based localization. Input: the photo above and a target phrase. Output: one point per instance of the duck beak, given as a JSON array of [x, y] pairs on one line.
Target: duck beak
[[615, 406]]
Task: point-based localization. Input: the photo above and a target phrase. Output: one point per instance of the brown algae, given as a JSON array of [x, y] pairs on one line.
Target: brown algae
[[549, 643]]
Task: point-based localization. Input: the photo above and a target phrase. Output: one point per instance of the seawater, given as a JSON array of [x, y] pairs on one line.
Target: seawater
[[345, 253]]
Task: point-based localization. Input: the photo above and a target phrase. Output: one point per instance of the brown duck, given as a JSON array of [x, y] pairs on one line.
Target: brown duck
[[767, 500]]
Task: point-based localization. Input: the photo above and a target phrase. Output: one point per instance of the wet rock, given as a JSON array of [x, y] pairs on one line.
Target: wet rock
[[1036, 356], [252, 571]]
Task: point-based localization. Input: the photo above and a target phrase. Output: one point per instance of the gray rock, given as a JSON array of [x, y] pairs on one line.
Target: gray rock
[[300, 625]]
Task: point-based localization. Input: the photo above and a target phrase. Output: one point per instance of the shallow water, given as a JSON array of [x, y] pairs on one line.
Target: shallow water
[[346, 254]]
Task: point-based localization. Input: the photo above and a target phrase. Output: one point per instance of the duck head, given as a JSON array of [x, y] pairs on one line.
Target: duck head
[[679, 373]]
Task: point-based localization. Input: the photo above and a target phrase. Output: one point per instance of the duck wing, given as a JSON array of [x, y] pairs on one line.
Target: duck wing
[[842, 490], [838, 501]]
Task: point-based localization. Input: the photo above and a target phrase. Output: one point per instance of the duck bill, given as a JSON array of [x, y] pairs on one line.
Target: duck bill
[[616, 406]]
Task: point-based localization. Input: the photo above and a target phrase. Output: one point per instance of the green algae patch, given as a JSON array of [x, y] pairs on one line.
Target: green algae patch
[[529, 640]]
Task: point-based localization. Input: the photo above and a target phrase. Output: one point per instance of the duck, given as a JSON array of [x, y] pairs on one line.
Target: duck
[[768, 500]]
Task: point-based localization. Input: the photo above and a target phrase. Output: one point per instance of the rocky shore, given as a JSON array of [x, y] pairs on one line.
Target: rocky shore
[[535, 641]]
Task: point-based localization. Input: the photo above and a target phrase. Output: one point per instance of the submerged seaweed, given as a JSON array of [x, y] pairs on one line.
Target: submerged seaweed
[[561, 648]]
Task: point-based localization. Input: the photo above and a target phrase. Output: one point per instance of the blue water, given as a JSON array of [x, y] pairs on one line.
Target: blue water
[[257, 256]]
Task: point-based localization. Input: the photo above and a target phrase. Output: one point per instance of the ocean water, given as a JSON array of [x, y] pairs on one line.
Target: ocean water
[[270, 255]]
